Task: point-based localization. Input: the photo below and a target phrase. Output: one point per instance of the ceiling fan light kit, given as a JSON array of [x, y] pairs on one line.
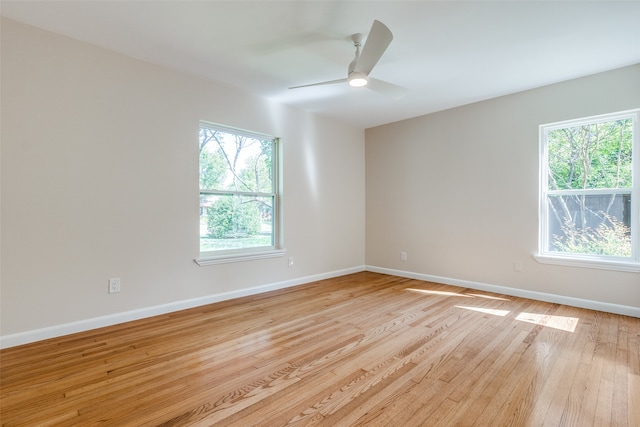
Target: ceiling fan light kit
[[358, 72], [357, 79]]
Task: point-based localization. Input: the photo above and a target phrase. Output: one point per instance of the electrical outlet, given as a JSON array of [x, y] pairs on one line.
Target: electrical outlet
[[114, 285], [290, 261], [403, 256]]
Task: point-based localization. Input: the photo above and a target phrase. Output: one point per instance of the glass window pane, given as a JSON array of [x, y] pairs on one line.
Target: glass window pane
[[590, 224], [591, 156], [235, 222], [232, 162]]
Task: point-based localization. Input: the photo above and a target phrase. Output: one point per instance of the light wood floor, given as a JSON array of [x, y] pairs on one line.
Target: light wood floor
[[364, 349]]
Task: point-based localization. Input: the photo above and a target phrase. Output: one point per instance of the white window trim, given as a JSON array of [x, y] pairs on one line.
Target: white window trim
[[255, 253], [631, 264]]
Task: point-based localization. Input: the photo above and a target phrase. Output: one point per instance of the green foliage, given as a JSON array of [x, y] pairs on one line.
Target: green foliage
[[235, 163], [596, 155], [612, 239], [256, 176], [212, 170], [232, 218]]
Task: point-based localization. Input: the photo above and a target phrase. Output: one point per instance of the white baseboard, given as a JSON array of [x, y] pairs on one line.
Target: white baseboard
[[113, 319], [523, 293]]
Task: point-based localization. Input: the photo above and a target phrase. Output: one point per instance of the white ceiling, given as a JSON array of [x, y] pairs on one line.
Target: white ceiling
[[446, 53]]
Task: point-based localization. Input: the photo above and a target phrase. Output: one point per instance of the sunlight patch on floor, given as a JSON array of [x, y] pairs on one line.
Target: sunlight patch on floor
[[492, 311], [445, 293], [563, 323], [557, 322], [488, 297], [456, 294]]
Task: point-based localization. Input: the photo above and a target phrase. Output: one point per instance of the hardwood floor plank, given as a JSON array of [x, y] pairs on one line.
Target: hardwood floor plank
[[364, 349], [632, 400], [481, 393], [525, 397], [380, 403]]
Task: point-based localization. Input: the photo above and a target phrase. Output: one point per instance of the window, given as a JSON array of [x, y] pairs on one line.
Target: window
[[589, 192], [239, 212]]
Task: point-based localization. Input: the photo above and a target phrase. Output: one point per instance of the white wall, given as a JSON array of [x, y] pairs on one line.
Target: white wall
[[100, 179], [458, 191]]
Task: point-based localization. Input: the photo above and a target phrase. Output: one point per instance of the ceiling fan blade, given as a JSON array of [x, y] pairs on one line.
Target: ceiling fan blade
[[377, 41], [386, 88], [330, 82]]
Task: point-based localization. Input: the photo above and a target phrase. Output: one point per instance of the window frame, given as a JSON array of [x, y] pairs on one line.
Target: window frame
[[250, 253], [544, 255]]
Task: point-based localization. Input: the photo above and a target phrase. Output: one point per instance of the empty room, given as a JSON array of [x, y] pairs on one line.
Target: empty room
[[336, 213]]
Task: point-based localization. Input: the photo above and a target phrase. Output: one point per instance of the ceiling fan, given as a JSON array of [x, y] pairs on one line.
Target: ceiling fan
[[358, 72]]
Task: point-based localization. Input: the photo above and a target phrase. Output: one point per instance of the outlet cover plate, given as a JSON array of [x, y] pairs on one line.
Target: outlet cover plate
[[114, 285]]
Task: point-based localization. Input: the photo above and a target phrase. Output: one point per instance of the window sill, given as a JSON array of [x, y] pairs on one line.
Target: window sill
[[617, 265], [239, 257]]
